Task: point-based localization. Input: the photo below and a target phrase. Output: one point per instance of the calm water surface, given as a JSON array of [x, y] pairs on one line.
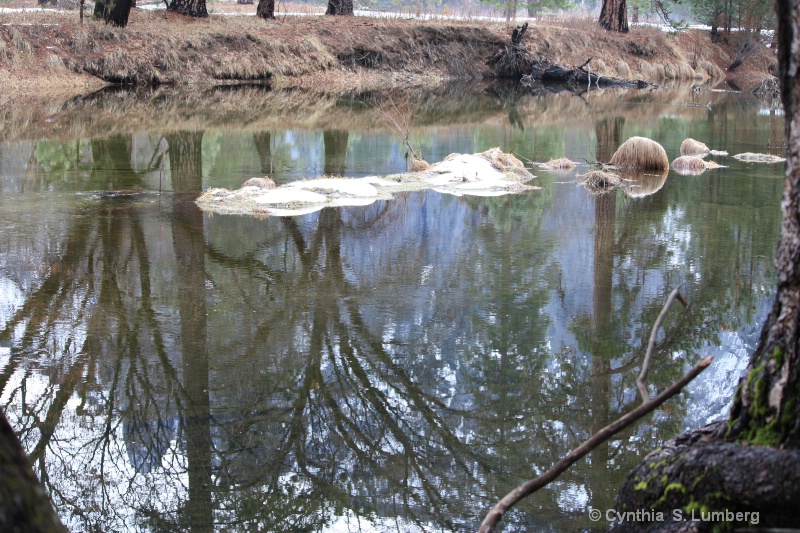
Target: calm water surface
[[395, 367]]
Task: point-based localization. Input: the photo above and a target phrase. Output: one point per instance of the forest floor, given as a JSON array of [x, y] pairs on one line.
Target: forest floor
[[52, 51]]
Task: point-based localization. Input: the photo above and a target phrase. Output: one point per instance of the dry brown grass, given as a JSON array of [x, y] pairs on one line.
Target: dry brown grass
[[640, 153], [558, 164], [692, 147], [693, 165], [601, 181], [327, 53], [689, 164], [263, 182]]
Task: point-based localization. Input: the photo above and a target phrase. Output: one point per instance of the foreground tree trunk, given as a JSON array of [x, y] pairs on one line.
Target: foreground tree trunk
[[192, 8], [766, 409], [614, 15], [749, 464], [24, 505], [339, 7]]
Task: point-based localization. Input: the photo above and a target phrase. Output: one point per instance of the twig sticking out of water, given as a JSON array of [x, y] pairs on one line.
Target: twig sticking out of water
[[400, 118]]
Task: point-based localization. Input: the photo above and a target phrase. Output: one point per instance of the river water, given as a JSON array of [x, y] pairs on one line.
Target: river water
[[394, 367]]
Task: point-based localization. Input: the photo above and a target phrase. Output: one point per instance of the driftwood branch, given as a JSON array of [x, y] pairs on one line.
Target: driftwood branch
[[529, 487], [577, 77]]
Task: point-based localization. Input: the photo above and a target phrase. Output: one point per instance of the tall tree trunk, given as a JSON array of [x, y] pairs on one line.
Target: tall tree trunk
[[339, 7], [766, 408], [266, 9], [192, 8], [614, 15], [114, 12]]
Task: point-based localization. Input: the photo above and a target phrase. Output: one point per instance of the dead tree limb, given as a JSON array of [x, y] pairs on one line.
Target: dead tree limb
[[574, 78], [529, 487]]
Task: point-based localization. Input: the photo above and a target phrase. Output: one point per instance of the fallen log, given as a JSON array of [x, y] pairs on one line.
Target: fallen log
[[575, 78]]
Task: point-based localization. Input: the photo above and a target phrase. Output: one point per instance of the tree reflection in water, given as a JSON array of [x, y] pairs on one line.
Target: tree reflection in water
[[394, 364]]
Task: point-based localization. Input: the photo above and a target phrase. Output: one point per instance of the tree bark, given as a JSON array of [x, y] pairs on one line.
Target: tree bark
[[24, 505], [766, 409], [266, 9], [339, 7], [614, 15], [115, 12], [191, 8]]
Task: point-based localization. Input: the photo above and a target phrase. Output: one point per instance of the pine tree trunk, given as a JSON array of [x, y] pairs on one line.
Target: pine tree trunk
[[192, 8], [614, 15], [339, 7], [266, 9]]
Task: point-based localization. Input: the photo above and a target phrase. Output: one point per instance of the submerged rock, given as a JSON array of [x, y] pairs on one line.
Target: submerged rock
[[490, 173]]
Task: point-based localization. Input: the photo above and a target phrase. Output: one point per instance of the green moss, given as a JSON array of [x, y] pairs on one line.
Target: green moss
[[672, 487], [695, 509], [764, 428], [777, 356], [642, 485]]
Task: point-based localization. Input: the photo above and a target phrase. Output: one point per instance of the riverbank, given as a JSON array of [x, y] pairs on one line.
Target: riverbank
[[51, 51]]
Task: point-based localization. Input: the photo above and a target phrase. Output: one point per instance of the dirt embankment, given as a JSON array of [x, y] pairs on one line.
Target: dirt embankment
[[52, 51]]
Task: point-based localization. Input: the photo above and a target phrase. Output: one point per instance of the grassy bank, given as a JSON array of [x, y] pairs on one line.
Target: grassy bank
[[53, 51]]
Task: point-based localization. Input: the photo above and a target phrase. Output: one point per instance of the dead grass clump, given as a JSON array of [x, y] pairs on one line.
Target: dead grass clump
[[364, 58], [692, 147], [506, 162], [599, 181], [623, 70], [561, 163], [419, 165], [689, 164], [749, 157], [683, 71], [5, 53], [80, 41], [693, 165], [20, 43], [54, 62], [262, 183], [511, 62], [600, 67], [711, 69], [640, 153]]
